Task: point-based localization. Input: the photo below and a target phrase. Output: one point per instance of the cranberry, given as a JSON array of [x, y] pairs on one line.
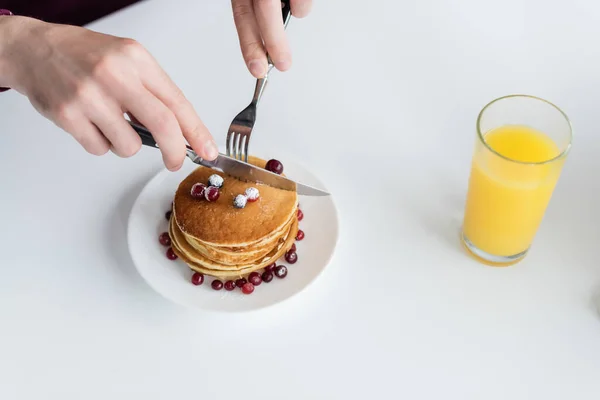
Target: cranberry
[[300, 234], [293, 248], [165, 239], [281, 271], [168, 215], [212, 193], [255, 278], [252, 194], [240, 282], [198, 190], [291, 257], [270, 267], [217, 284], [171, 254], [248, 288], [197, 278], [300, 215], [239, 201], [215, 180], [274, 166], [267, 276], [229, 286]]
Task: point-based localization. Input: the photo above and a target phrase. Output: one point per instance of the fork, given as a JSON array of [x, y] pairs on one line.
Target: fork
[[240, 130]]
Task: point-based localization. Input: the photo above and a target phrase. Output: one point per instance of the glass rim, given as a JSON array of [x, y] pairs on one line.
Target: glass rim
[[558, 157]]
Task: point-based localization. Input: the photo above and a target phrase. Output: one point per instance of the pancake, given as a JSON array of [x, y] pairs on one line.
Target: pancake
[[238, 255], [217, 239], [208, 267], [219, 223]]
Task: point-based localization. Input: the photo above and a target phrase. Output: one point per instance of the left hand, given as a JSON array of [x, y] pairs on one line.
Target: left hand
[[260, 30]]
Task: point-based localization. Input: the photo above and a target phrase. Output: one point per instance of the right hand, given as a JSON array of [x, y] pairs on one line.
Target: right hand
[[85, 81], [260, 29]]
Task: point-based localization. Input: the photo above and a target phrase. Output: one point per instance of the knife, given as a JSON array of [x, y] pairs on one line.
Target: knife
[[239, 169]]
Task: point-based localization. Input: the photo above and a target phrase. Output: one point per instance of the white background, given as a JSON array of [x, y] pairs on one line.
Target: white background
[[381, 102]]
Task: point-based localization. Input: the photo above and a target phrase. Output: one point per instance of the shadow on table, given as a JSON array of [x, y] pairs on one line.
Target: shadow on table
[[116, 232], [595, 300], [439, 216]]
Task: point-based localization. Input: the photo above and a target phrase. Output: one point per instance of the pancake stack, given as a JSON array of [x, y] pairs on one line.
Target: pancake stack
[[217, 239]]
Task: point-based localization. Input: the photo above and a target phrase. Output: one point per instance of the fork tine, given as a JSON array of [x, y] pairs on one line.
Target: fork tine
[[236, 146], [246, 144], [241, 146], [228, 144]]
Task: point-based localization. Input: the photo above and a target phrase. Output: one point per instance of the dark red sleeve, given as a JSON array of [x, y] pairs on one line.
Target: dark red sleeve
[[74, 12]]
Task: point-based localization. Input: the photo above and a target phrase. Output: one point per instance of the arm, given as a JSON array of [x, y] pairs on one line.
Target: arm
[[84, 81]]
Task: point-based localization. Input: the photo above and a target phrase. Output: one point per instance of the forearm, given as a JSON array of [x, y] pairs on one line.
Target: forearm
[[9, 26], [16, 34]]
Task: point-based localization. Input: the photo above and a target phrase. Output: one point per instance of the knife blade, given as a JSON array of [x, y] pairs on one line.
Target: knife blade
[[236, 168]]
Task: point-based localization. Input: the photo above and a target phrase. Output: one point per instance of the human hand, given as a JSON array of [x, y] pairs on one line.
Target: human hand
[[85, 81], [260, 30]]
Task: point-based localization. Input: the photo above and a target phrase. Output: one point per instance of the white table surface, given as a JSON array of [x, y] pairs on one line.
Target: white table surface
[[382, 95]]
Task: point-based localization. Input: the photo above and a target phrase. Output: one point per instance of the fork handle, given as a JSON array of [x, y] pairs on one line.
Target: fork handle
[[259, 89], [261, 83], [286, 14]]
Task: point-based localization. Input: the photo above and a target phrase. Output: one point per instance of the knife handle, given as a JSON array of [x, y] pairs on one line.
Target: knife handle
[[148, 140], [286, 11], [145, 135]]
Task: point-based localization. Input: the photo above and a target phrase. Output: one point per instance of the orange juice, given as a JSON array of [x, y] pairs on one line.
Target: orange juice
[[509, 189]]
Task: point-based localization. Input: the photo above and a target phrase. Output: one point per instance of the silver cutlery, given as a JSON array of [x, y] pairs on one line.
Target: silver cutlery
[[237, 168], [240, 130]]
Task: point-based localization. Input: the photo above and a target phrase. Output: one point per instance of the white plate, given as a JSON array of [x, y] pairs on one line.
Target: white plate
[[172, 278]]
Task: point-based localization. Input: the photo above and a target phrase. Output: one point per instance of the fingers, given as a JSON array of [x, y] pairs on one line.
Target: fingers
[[161, 121], [73, 121], [270, 22], [195, 132], [301, 8], [87, 135], [109, 120], [249, 36], [92, 140]]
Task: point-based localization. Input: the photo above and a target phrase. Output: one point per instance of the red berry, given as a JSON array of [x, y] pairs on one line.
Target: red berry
[[197, 278], [270, 267], [252, 194], [255, 278], [217, 284], [300, 234], [171, 254], [229, 286], [248, 288], [300, 215], [165, 239], [215, 180], [168, 215], [293, 248], [212, 193], [240, 282], [274, 166], [291, 257], [198, 190], [267, 276], [281, 271], [239, 201]]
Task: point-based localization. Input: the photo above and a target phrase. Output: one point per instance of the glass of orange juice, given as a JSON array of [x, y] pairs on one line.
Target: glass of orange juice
[[521, 146]]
